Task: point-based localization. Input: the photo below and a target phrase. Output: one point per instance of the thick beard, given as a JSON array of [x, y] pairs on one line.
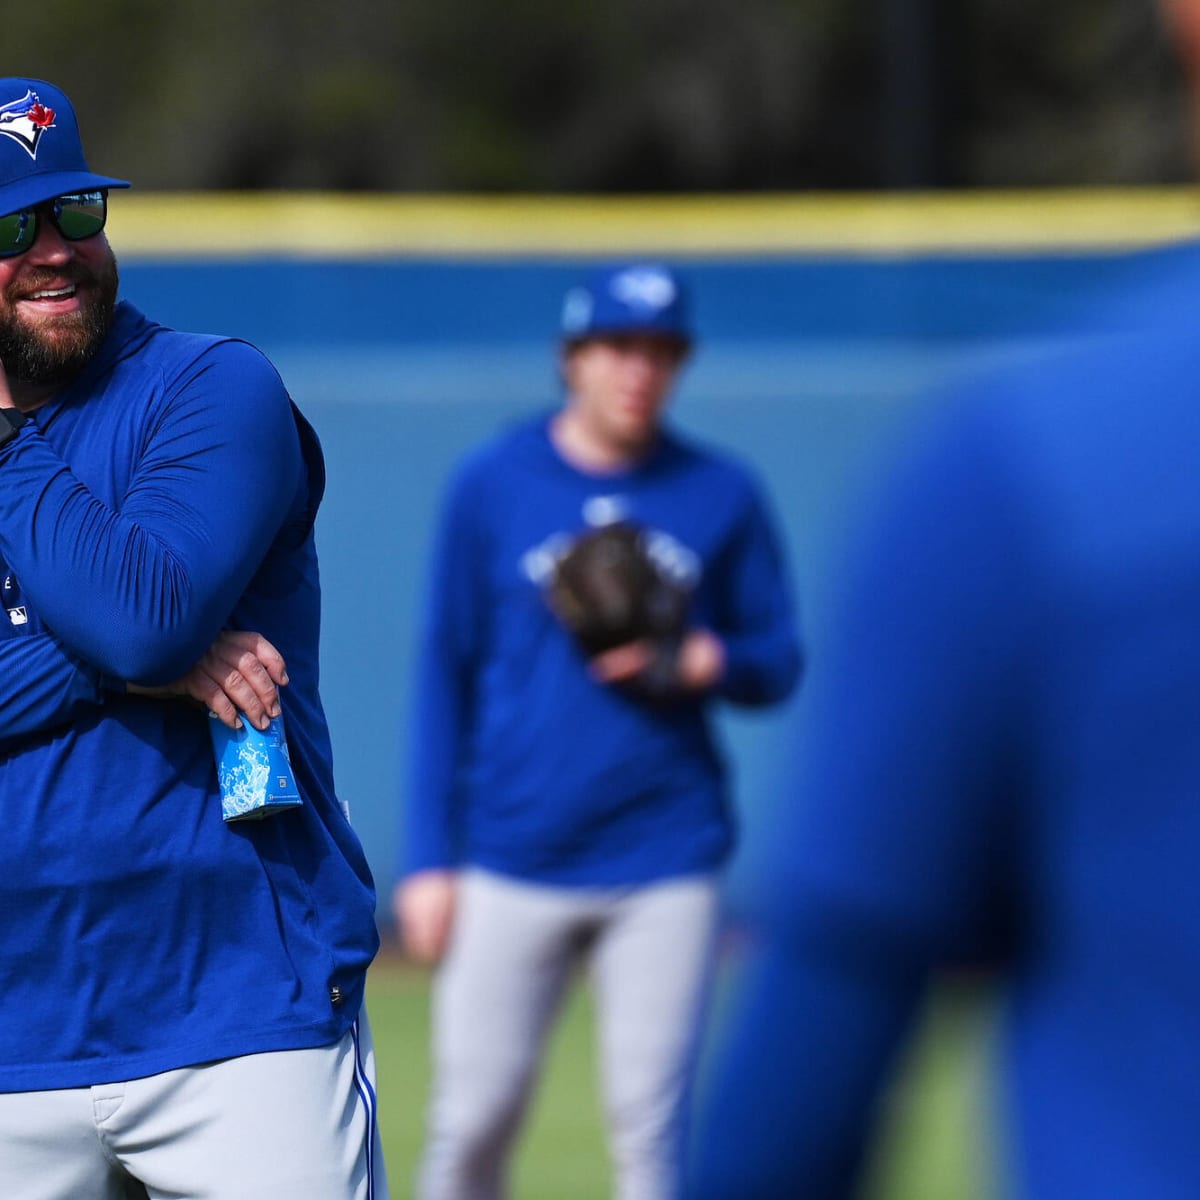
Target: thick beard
[[53, 353]]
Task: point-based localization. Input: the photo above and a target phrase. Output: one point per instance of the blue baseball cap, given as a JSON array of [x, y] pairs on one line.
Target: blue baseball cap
[[632, 298], [41, 155]]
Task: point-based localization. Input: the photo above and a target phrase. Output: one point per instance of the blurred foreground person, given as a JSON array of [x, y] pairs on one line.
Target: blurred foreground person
[[181, 996], [1002, 763], [567, 800]]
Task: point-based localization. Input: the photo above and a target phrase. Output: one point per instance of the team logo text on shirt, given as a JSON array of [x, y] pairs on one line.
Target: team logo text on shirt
[[673, 558]]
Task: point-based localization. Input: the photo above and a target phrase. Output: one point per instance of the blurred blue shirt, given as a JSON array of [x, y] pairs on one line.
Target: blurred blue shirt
[[1000, 764]]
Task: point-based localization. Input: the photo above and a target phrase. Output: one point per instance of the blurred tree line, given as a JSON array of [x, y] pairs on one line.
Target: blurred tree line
[[645, 96]]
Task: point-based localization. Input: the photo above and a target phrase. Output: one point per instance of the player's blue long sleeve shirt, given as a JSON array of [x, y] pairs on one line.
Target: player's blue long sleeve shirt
[[522, 762], [41, 685], [167, 493], [1003, 754]]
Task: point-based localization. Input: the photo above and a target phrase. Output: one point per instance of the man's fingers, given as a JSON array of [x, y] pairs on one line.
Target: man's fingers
[[420, 942], [244, 646], [622, 662], [254, 695], [248, 670], [253, 688], [206, 689], [426, 937], [424, 906], [226, 688]]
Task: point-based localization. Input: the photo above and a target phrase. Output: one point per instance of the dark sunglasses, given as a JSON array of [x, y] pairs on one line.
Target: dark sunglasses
[[77, 216]]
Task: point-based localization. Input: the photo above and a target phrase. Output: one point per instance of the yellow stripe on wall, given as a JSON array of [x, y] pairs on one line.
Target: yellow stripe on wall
[[361, 226]]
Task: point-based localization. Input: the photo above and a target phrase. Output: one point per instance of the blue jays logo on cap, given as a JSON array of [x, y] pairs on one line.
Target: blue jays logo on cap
[[25, 121], [648, 288], [633, 298], [41, 154]]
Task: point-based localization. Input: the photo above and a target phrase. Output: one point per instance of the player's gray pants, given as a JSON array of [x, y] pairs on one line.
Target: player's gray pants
[[496, 994], [295, 1124]]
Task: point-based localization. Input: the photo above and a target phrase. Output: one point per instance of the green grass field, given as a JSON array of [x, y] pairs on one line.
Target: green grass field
[[931, 1145]]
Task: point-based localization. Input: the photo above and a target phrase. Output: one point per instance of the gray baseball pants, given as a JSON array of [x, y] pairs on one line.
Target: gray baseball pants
[[512, 953], [294, 1124]]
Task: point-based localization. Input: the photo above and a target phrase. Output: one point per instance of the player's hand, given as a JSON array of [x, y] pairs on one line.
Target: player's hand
[[701, 661], [622, 663], [241, 670], [424, 909]]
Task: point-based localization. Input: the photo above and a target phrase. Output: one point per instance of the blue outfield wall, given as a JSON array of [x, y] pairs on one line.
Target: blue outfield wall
[[807, 367]]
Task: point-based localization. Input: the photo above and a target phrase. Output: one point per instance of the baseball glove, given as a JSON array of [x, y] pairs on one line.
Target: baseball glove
[[607, 590]]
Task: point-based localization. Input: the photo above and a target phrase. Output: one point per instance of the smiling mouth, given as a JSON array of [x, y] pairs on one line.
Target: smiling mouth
[[60, 293]]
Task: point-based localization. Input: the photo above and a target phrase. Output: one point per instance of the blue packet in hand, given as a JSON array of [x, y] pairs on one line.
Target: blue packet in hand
[[253, 769]]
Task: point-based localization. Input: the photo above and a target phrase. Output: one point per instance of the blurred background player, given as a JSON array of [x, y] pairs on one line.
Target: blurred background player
[[1001, 763], [554, 814], [183, 999]]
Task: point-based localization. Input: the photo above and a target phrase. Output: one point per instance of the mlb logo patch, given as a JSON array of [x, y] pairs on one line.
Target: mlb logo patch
[[18, 615], [25, 121]]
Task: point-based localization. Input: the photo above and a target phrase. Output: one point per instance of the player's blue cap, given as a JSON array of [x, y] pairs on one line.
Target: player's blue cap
[[41, 155], [631, 298]]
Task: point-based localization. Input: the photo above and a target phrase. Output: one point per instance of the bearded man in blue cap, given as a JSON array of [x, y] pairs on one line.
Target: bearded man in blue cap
[[182, 996], [566, 801]]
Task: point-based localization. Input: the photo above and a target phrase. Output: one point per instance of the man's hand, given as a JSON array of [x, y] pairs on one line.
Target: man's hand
[[622, 663], [701, 661], [698, 663], [241, 670], [424, 909]]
